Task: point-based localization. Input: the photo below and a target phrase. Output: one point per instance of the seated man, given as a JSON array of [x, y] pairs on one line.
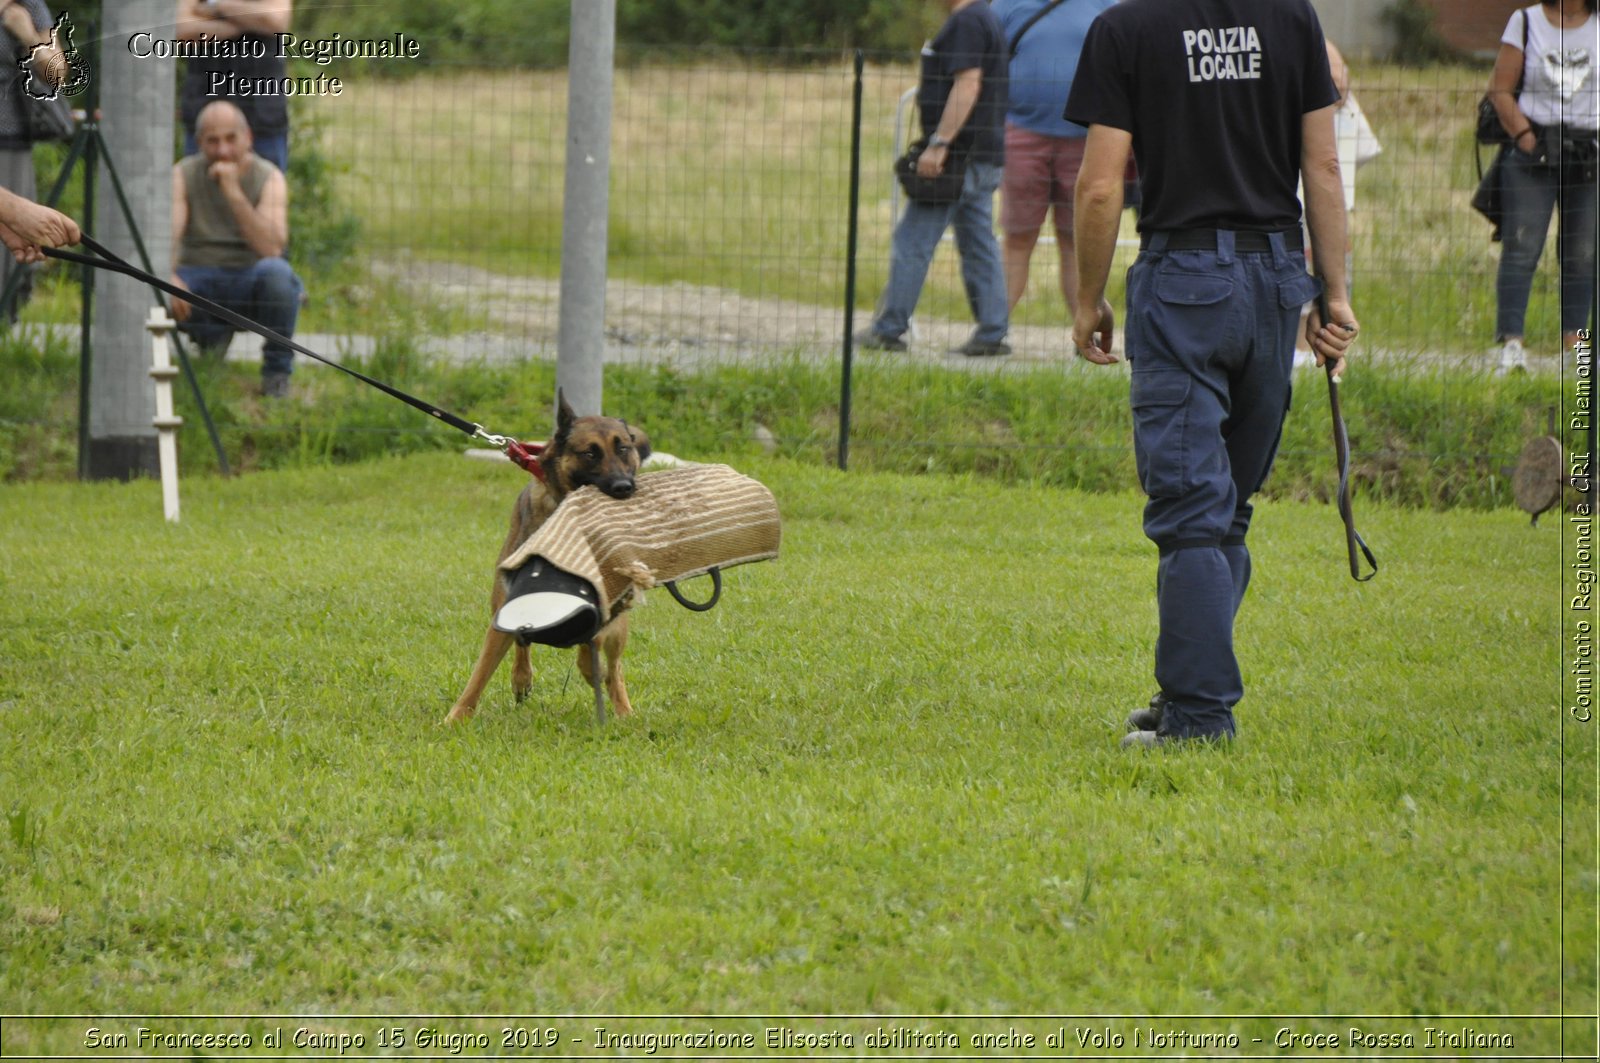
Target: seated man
[[230, 225]]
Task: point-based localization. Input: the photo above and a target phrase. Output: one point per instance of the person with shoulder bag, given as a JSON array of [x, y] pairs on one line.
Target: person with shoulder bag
[[1550, 165], [1043, 150], [962, 99]]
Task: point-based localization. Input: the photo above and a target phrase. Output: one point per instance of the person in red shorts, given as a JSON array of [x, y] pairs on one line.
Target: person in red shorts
[[1043, 150]]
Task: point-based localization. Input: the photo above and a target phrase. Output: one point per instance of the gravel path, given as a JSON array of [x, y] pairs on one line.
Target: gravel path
[[689, 325]]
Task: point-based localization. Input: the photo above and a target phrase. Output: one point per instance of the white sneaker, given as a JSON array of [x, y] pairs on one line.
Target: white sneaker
[[1512, 358]]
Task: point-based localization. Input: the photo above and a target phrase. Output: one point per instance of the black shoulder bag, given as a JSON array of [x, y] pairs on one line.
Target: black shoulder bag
[[1490, 131], [1489, 199], [946, 188]]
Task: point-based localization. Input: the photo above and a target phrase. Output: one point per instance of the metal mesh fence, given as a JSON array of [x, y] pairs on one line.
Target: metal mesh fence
[[730, 193], [729, 209]]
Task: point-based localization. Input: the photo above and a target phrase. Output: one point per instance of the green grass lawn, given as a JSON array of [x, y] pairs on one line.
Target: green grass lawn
[[881, 777]]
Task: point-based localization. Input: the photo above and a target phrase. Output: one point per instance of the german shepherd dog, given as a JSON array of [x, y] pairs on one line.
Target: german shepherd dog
[[599, 451]]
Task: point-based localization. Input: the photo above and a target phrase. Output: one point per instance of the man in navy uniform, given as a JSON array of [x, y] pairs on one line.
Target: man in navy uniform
[[1225, 103]]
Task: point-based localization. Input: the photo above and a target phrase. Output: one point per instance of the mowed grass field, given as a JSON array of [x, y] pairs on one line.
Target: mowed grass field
[[882, 777]]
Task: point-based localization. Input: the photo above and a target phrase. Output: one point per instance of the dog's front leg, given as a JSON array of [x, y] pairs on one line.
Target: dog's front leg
[[495, 644], [613, 640]]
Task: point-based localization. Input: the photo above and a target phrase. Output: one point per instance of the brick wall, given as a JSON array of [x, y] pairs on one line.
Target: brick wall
[[1472, 25]]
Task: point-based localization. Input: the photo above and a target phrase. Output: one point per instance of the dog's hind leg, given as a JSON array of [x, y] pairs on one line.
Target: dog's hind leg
[[495, 644], [521, 673]]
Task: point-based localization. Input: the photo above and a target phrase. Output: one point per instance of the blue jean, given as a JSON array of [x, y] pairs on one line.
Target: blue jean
[[1531, 192], [1210, 338], [275, 148], [267, 293], [917, 237]]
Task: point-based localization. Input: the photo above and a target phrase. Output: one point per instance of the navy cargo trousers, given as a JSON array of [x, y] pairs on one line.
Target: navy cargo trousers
[[1210, 339]]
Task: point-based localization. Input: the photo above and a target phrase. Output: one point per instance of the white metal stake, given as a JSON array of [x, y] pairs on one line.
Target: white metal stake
[[167, 423]]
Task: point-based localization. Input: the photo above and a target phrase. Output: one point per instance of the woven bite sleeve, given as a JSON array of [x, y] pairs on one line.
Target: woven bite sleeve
[[681, 522]]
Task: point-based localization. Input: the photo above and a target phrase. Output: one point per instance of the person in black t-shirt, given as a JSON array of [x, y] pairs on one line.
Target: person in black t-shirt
[[246, 34], [1225, 104], [962, 100]]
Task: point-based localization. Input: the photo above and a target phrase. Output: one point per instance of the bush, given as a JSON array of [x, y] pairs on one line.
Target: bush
[[1418, 438], [534, 33], [324, 230]]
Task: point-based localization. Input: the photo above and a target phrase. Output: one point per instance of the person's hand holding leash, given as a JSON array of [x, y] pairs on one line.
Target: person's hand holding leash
[[1331, 342], [26, 226], [1093, 328]]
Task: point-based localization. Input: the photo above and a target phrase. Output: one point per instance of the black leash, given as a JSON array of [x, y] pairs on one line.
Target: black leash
[[110, 261], [1341, 449], [523, 454]]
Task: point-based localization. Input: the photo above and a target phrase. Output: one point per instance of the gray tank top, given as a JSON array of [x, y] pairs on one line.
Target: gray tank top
[[212, 236]]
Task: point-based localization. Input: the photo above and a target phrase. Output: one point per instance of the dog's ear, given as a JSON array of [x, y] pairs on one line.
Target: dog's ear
[[641, 442], [564, 418]]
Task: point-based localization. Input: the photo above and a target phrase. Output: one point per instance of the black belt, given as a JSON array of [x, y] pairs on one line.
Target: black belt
[[1206, 240]]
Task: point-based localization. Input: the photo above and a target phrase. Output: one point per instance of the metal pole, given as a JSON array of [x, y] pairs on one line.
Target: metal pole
[[848, 368], [580, 336], [136, 128]]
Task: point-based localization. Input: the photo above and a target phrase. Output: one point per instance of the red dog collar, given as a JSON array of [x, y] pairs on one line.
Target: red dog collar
[[526, 455]]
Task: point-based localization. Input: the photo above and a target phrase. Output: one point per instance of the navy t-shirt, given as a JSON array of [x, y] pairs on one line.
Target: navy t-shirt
[[1213, 92], [971, 37], [267, 113]]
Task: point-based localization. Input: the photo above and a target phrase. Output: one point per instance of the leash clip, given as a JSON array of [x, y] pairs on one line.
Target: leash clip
[[498, 442]]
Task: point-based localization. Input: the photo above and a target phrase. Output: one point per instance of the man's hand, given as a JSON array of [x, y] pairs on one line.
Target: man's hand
[[931, 162], [225, 173], [26, 227], [20, 249], [1329, 342], [180, 308], [1093, 327]]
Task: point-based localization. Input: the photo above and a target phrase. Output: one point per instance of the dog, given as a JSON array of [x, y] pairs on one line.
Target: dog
[[601, 452]]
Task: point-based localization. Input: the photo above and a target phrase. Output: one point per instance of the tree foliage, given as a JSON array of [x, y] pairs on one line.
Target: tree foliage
[[534, 32], [524, 33]]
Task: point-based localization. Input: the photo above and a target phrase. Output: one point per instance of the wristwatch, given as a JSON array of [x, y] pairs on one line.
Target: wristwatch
[[936, 141]]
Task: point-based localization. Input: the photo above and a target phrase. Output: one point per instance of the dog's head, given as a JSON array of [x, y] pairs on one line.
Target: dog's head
[[601, 452]]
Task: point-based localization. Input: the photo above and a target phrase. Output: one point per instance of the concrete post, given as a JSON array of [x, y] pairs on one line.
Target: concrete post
[[136, 104], [580, 337]]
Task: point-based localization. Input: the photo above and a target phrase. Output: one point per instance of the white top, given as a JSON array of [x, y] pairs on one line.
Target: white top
[[1561, 69]]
